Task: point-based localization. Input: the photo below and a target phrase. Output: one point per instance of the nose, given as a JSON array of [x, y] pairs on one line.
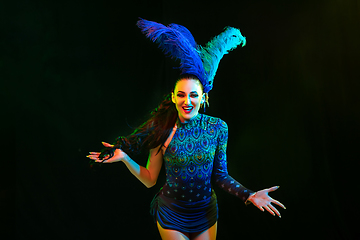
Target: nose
[[187, 100]]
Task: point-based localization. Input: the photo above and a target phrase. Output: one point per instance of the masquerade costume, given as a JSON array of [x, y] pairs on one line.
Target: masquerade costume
[[196, 155]]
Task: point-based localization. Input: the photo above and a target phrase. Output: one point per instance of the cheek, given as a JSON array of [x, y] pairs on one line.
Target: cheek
[[178, 103], [197, 101]]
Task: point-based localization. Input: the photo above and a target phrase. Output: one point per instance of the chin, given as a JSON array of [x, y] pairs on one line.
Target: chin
[[188, 117]]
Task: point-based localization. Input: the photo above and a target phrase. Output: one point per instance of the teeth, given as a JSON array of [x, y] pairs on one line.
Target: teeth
[[188, 109]]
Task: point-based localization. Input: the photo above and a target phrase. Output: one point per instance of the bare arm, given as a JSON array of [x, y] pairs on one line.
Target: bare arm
[[148, 176]]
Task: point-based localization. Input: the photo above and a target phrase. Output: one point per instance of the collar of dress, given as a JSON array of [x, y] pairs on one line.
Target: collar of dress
[[191, 123]]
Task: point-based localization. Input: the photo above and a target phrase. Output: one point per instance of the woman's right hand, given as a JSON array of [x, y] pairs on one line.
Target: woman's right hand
[[119, 155]]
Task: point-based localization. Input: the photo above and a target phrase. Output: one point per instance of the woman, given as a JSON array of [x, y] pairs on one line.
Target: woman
[[193, 149]]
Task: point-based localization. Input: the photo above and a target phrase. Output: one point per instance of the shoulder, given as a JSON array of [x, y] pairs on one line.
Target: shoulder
[[214, 122]]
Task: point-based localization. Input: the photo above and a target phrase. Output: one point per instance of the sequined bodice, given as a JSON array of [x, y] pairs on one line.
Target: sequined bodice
[[195, 156]]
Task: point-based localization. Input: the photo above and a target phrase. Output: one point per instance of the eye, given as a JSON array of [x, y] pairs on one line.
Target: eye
[[180, 95], [194, 95]]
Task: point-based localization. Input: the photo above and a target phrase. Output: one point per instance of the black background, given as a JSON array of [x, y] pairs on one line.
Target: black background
[[75, 73]]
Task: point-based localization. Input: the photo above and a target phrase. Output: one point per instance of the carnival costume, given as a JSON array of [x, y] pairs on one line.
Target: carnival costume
[[196, 155]]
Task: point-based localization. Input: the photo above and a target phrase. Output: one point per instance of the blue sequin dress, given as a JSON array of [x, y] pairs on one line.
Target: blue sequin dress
[[194, 160]]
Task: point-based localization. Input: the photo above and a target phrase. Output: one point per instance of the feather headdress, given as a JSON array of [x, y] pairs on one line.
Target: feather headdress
[[177, 42]]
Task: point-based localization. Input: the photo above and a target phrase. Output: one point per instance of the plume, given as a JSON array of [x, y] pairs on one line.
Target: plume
[[177, 42], [215, 49]]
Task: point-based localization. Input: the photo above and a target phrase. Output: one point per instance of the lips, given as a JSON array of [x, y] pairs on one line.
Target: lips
[[187, 110]]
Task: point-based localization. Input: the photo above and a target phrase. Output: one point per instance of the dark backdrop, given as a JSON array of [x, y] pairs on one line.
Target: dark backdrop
[[81, 72]]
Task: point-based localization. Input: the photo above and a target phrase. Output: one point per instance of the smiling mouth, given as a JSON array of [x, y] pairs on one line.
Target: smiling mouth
[[187, 109]]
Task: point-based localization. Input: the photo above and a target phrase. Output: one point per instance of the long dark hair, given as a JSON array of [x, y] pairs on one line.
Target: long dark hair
[[153, 132]]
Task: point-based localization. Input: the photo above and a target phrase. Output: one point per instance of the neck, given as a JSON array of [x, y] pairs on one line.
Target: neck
[[184, 121]]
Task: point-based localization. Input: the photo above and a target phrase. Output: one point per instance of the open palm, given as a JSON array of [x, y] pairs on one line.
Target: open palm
[[262, 200]]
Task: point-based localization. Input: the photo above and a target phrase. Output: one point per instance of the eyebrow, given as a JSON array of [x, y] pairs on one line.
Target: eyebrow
[[185, 93]]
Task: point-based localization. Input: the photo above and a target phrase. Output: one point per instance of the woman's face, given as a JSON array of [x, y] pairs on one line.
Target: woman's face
[[188, 96]]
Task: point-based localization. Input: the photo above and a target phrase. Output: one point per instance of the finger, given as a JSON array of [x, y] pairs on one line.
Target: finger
[[259, 207], [107, 144], [274, 210], [269, 210], [278, 203], [273, 188], [94, 153], [105, 161], [102, 161], [92, 157]]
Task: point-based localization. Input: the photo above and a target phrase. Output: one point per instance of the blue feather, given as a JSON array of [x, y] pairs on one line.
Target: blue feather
[[177, 42], [215, 49]]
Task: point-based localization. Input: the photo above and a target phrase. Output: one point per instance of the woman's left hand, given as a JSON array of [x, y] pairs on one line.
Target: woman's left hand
[[262, 200]]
